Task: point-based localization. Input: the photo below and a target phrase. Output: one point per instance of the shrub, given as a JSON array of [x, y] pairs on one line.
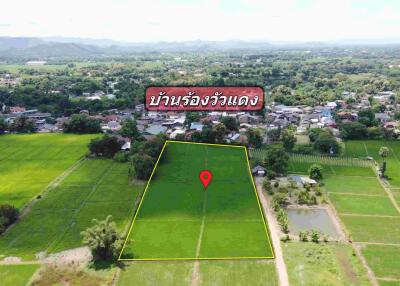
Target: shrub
[[8, 215], [107, 146], [315, 235], [103, 239], [121, 157], [315, 172], [283, 220], [303, 235]]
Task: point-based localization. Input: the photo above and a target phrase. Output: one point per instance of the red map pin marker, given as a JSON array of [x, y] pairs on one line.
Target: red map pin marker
[[205, 178]]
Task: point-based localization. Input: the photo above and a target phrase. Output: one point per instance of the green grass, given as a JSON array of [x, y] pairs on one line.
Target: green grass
[[371, 148], [353, 185], [156, 273], [363, 205], [94, 190], [389, 283], [383, 260], [323, 264], [175, 206], [373, 229], [237, 273], [216, 273], [28, 163], [17, 275]]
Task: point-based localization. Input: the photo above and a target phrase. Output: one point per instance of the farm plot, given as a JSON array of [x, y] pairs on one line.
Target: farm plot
[[364, 207], [17, 275], [371, 148], [178, 219], [371, 219], [97, 188], [28, 163], [384, 260], [243, 272], [323, 264]]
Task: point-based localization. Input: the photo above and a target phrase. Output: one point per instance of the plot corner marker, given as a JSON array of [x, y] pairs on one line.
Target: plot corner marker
[[205, 178]]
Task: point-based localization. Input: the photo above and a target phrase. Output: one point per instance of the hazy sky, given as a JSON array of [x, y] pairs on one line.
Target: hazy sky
[[176, 20]]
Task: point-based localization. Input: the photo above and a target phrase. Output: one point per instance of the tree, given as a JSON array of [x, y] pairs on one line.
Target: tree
[[81, 124], [354, 130], [143, 165], [326, 143], [220, 132], [103, 239], [192, 116], [383, 152], [153, 147], [3, 125], [315, 172], [107, 146], [23, 124], [230, 123], [274, 134], [288, 139], [254, 138], [277, 160], [129, 129], [367, 117]]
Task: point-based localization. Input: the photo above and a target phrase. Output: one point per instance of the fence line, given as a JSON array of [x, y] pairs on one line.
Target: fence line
[[320, 159]]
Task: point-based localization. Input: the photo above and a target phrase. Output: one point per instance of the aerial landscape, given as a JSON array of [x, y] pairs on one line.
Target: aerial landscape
[[297, 184]]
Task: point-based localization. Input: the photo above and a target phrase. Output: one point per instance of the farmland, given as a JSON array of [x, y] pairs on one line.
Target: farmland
[[179, 273], [17, 275], [323, 264], [371, 148], [223, 221], [370, 217], [95, 189], [28, 163]]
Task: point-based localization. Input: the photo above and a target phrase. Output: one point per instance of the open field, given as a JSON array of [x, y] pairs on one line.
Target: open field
[[95, 189], [384, 260], [28, 163], [17, 275], [178, 219], [364, 205], [323, 264], [298, 167], [371, 148], [216, 273], [368, 214]]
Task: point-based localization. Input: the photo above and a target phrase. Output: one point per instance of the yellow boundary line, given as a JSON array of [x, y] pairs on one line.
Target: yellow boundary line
[[199, 258]]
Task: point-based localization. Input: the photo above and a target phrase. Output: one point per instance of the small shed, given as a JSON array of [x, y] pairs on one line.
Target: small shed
[[259, 171]]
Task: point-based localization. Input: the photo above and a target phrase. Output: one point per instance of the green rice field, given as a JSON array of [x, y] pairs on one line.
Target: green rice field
[[97, 188], [178, 219], [28, 163], [179, 273], [371, 148]]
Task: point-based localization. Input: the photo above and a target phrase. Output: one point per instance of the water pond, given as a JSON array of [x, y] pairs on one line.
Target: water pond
[[308, 219]]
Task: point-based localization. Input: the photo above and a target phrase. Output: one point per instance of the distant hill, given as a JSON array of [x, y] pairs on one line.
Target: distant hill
[[7, 43], [22, 48]]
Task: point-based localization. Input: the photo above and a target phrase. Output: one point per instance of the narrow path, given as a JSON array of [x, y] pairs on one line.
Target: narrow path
[[358, 194], [369, 215], [389, 193], [366, 149], [370, 273], [196, 266], [274, 233], [83, 203]]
